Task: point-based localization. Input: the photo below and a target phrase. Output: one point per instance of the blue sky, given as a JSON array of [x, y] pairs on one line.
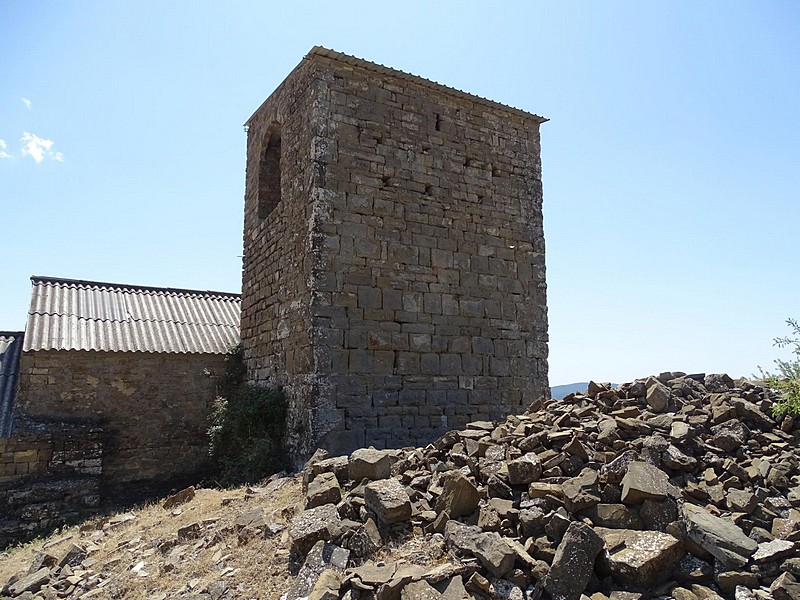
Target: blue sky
[[671, 162]]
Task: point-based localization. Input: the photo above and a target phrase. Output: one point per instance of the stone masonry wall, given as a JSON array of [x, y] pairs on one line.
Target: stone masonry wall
[[276, 305], [50, 474], [153, 408], [416, 267]]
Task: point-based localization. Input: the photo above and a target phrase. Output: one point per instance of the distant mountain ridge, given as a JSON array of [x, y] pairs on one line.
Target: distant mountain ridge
[[559, 391]]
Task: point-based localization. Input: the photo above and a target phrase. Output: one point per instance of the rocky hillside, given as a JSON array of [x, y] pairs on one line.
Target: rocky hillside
[[671, 487]]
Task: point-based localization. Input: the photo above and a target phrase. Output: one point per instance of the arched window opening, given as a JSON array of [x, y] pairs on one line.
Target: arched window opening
[[269, 176]]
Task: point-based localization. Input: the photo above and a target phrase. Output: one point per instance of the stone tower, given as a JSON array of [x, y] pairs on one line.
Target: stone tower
[[394, 267]]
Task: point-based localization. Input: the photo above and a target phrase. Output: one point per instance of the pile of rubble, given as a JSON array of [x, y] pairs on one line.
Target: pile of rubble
[[678, 486]]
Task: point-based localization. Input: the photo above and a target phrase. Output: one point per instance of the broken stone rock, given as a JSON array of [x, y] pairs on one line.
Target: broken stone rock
[[785, 587], [419, 590], [459, 497], [182, 497], [321, 558], [658, 396], [573, 563], [642, 558], [643, 481], [772, 551], [488, 547], [313, 525], [323, 489], [30, 583], [525, 469], [719, 537], [388, 500], [368, 463]]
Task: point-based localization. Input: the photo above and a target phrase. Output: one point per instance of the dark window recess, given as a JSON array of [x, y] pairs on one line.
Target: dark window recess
[[269, 177], [438, 122]]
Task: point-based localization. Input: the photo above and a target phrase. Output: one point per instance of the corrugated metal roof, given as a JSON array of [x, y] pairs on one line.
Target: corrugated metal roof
[[379, 68], [10, 352], [68, 314]]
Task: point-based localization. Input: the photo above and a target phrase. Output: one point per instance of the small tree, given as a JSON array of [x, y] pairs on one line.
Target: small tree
[[787, 378], [247, 426]]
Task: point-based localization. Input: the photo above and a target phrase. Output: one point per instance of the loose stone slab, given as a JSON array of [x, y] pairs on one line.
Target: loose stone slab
[[459, 497], [643, 481], [313, 525], [524, 470], [721, 538], [642, 558], [772, 551], [388, 499], [368, 463], [573, 563], [488, 547]]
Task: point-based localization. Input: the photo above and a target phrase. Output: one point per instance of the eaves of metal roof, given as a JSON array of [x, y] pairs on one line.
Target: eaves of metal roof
[[10, 352], [68, 314]]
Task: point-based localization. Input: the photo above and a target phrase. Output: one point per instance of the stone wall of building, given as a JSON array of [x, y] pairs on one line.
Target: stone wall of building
[[398, 286], [276, 305], [49, 475], [153, 409]]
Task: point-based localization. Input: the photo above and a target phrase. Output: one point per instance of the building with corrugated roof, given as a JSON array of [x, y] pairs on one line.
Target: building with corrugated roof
[[138, 361], [10, 352]]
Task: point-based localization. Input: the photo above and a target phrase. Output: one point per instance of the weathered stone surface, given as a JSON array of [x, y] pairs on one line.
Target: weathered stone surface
[[721, 538], [390, 239], [643, 481], [182, 497], [524, 470], [785, 587], [323, 489], [327, 586], [680, 431], [673, 458], [573, 563], [30, 583], [772, 551], [642, 558], [373, 574], [729, 435], [251, 518], [489, 548], [419, 590], [581, 492], [616, 516], [388, 500], [313, 525], [728, 581], [658, 396], [365, 540], [718, 382], [321, 573], [368, 463], [741, 501], [657, 515], [459, 496]]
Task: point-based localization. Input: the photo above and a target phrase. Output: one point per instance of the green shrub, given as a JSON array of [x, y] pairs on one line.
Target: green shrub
[[787, 378], [248, 424]]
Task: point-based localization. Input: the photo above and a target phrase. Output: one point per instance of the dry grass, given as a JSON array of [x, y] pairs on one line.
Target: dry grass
[[144, 559], [139, 555]]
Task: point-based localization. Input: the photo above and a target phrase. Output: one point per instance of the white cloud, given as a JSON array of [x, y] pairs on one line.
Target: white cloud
[[26, 102], [3, 153], [38, 148]]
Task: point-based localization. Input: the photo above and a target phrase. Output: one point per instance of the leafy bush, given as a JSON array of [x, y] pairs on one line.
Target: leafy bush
[[248, 423], [787, 378]]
